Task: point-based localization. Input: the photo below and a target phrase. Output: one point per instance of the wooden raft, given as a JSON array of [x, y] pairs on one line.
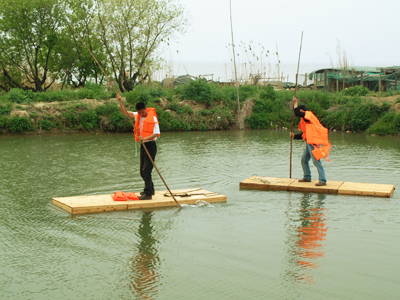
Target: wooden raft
[[99, 203], [332, 187]]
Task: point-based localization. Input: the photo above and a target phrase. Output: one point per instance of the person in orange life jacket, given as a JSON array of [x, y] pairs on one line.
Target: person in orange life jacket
[[149, 131], [300, 111]]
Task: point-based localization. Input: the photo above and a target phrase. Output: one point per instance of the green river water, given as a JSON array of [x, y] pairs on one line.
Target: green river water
[[258, 245]]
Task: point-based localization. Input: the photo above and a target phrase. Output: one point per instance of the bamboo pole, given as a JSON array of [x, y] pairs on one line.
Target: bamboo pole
[[295, 90], [234, 63], [130, 119]]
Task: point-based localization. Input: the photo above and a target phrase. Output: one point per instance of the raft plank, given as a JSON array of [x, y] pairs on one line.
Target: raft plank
[[99, 203], [367, 189], [333, 187], [266, 183]]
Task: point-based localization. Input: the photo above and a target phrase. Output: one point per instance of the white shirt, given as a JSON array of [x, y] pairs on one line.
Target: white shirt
[[156, 129]]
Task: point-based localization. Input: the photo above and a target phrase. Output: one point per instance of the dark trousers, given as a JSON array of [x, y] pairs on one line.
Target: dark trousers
[[146, 166]]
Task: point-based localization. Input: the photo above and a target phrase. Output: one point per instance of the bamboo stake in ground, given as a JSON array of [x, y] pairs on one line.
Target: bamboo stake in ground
[[295, 90], [234, 65], [123, 107]]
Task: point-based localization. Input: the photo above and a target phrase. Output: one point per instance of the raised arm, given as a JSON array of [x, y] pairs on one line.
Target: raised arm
[[123, 109]]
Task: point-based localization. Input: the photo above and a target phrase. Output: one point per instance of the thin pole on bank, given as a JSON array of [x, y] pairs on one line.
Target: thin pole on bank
[[234, 64], [130, 119], [295, 90]]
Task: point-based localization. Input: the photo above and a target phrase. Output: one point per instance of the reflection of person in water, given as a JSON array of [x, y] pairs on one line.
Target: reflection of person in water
[[305, 238], [145, 278], [311, 231]]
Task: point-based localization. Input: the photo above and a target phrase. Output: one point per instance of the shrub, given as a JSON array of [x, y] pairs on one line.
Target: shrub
[[86, 94], [366, 114], [5, 109], [97, 88], [3, 121], [59, 96], [358, 90], [17, 96], [267, 112], [19, 124], [156, 93], [323, 99], [175, 125], [107, 109], [88, 119], [46, 124], [174, 106], [132, 96], [202, 127], [187, 109], [267, 92], [138, 94], [388, 124], [338, 119], [71, 118], [247, 91], [120, 122], [198, 90]]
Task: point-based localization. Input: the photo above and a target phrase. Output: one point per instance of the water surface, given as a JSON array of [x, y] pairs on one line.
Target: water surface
[[259, 245]]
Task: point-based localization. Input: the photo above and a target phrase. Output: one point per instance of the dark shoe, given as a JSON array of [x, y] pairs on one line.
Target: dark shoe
[[320, 184], [304, 180], [145, 197], [143, 194]]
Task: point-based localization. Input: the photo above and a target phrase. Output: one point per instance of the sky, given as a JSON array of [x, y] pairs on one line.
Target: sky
[[368, 31]]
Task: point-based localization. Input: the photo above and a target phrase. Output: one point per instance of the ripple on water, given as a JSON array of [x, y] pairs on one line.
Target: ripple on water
[[258, 245]]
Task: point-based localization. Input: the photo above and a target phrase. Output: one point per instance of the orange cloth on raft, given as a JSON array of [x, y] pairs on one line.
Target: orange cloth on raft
[[121, 196], [148, 124], [315, 134]]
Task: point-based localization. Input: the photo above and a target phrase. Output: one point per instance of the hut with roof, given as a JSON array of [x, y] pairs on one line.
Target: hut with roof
[[373, 78]]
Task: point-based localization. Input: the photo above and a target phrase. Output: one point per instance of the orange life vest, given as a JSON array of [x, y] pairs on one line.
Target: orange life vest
[[148, 124], [315, 134], [121, 196]]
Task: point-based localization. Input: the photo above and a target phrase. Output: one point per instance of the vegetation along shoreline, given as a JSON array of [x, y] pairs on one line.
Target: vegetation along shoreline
[[197, 105]]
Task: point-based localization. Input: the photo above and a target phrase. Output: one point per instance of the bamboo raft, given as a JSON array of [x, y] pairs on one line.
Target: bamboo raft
[[332, 187], [100, 203]]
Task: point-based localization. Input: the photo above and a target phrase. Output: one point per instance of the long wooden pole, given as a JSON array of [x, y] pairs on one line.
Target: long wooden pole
[[234, 65], [295, 90], [130, 119]]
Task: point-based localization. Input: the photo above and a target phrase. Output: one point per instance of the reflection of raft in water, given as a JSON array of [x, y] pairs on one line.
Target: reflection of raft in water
[[99, 203], [332, 187]]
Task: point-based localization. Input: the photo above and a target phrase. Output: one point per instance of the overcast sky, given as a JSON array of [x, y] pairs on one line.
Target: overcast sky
[[368, 30]]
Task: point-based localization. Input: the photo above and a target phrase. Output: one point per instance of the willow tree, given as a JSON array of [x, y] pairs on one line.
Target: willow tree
[[29, 33], [132, 31]]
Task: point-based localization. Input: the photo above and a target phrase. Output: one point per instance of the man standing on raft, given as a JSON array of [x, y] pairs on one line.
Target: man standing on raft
[[317, 144], [148, 129]]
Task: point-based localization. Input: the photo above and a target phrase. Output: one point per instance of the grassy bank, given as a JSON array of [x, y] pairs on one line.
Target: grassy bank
[[196, 106]]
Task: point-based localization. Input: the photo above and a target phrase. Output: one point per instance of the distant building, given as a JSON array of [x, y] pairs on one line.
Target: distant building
[[374, 78]]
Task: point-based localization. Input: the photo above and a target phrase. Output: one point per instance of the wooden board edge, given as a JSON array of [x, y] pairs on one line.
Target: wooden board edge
[[392, 192], [371, 193], [171, 203], [95, 209], [263, 186], [310, 189], [63, 206]]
